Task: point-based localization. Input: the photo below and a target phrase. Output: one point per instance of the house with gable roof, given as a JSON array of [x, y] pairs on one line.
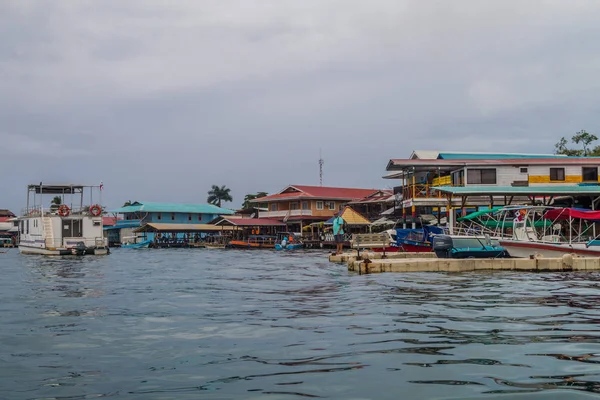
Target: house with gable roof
[[300, 205]]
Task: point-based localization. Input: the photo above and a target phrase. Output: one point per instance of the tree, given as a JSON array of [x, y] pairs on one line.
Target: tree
[[55, 203], [246, 205], [582, 137], [128, 203], [217, 194]]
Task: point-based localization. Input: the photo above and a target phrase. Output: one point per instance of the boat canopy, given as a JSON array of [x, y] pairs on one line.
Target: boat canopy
[[566, 213], [478, 214]]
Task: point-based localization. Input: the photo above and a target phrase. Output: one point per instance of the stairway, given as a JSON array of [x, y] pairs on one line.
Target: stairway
[[49, 232]]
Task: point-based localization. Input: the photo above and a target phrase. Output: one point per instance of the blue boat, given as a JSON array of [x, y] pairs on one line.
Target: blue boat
[[455, 246], [141, 245], [284, 243], [417, 240]]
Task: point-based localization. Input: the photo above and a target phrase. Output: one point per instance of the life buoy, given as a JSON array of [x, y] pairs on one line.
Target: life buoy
[[95, 210], [64, 210]]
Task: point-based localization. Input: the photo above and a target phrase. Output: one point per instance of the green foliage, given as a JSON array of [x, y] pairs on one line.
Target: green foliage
[[582, 138], [217, 194], [129, 203], [250, 197], [55, 203]]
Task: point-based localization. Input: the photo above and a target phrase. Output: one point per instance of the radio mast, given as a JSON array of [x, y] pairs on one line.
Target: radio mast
[[321, 162]]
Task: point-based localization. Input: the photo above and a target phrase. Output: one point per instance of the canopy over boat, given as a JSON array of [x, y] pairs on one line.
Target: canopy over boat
[[478, 214], [567, 213]]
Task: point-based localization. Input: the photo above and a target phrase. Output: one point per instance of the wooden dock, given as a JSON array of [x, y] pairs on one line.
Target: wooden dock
[[368, 263]]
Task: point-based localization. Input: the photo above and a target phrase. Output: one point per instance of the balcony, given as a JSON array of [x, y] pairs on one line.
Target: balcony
[[421, 191], [285, 213]]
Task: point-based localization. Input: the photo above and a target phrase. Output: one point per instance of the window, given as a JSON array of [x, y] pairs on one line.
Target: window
[[199, 217], [523, 170], [589, 174], [274, 207], [27, 227], [172, 216], [557, 174], [458, 178], [332, 205], [159, 216], [190, 217], [305, 205], [481, 176], [294, 206], [319, 205]]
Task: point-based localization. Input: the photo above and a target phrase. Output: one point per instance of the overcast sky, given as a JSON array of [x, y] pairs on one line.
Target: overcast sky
[[161, 99]]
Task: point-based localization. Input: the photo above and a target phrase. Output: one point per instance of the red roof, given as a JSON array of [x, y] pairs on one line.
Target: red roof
[[317, 192], [251, 222], [109, 221]]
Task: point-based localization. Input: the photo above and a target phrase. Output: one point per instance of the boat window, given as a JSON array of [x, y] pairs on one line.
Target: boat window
[[557, 174], [332, 205], [319, 205], [589, 174], [481, 176], [27, 231], [305, 205]]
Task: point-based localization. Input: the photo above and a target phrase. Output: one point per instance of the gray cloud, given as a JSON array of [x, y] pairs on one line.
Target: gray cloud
[[162, 99]]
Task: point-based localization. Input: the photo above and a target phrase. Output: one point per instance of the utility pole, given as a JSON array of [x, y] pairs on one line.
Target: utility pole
[[321, 162]]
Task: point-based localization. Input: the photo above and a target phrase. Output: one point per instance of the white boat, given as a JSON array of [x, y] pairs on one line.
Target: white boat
[[71, 228], [551, 232]]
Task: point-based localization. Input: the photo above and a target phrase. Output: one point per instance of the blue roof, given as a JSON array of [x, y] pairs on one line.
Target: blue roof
[[173, 207], [493, 156]]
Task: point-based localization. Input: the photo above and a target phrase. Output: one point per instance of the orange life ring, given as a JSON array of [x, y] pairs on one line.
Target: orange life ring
[[64, 210], [95, 210]]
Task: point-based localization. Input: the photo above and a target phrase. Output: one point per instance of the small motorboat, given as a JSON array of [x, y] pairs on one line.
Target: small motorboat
[[139, 245], [456, 246], [288, 241]]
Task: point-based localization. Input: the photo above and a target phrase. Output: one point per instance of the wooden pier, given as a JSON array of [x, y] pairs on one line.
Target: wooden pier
[[368, 263]]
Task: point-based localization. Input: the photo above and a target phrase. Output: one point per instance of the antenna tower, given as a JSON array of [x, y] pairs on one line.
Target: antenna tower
[[321, 162]]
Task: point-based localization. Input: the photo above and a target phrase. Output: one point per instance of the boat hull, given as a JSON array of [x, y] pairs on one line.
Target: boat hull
[[416, 248], [390, 249], [522, 249], [98, 251], [240, 244], [142, 245]]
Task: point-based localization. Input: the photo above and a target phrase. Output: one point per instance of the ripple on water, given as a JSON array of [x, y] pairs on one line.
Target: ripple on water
[[263, 324]]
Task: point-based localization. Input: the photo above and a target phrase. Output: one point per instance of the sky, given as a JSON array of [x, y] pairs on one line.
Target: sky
[[161, 99]]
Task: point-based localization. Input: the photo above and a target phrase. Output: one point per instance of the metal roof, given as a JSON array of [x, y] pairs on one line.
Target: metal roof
[[173, 207], [157, 227], [494, 156], [298, 192], [549, 190], [249, 222]]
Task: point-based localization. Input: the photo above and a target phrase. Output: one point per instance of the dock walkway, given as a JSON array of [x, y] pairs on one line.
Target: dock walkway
[[368, 263]]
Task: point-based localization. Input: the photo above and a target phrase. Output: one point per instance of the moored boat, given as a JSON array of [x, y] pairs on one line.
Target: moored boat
[[457, 246], [67, 227], [253, 242]]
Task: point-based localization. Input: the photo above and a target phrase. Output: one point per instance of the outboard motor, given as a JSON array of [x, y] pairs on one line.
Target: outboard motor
[[79, 249], [442, 246]]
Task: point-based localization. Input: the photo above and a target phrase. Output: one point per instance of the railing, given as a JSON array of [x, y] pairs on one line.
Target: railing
[[421, 191], [283, 213], [48, 212]]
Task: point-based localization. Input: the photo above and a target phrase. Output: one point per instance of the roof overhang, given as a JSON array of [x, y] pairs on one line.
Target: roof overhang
[[158, 227], [247, 222], [552, 190]]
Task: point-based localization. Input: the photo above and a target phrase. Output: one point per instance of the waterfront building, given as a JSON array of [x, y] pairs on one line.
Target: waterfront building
[[432, 181], [153, 218], [301, 205], [8, 228]]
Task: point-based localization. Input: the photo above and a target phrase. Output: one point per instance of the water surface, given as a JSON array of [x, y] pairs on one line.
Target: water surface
[[234, 324]]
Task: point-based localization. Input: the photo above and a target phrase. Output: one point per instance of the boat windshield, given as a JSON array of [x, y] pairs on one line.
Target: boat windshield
[[468, 243]]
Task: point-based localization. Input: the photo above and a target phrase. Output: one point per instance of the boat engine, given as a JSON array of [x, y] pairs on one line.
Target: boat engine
[[442, 245], [79, 249]]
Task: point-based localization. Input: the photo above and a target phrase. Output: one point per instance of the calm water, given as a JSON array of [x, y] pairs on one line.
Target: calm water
[[217, 324]]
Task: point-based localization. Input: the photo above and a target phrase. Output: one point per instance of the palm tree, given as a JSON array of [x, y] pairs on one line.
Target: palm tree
[[249, 197], [55, 203], [127, 203], [217, 194]]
